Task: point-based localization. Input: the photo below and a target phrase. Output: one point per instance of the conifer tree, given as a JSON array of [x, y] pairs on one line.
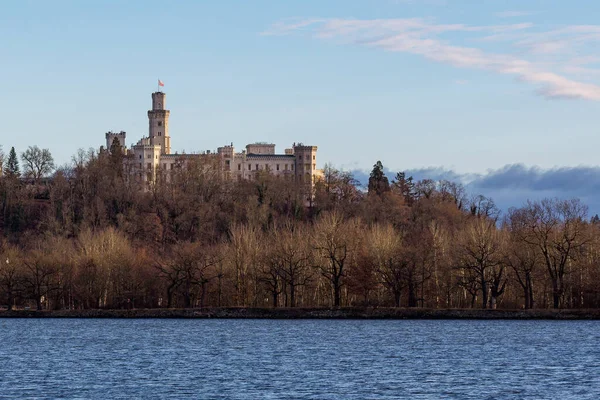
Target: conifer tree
[[12, 164], [378, 182], [405, 186]]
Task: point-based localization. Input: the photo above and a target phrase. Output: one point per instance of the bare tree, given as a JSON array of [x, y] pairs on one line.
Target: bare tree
[[557, 229], [37, 162], [523, 258], [189, 269], [291, 255], [334, 241], [385, 248], [10, 273], [40, 268], [243, 255], [480, 253]]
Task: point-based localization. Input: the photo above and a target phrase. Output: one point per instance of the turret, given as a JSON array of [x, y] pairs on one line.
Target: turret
[[306, 162], [115, 138], [158, 122]]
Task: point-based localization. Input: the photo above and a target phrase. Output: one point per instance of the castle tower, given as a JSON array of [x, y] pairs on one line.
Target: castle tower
[[115, 139], [158, 120], [306, 162]]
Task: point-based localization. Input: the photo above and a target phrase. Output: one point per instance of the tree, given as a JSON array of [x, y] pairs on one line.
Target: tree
[[243, 256], [12, 164], [378, 182], [1, 160], [10, 274], [40, 267], [290, 256], [270, 275], [189, 269], [334, 240], [37, 162], [336, 191], [523, 258], [482, 206], [405, 186], [386, 251], [557, 229], [480, 255]]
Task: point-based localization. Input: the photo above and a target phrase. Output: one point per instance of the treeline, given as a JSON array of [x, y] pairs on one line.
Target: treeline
[[85, 236]]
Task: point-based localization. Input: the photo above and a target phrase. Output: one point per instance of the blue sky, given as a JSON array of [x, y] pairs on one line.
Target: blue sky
[[466, 86]]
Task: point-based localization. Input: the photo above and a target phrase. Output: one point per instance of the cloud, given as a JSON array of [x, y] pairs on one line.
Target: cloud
[[427, 39], [512, 14], [514, 184]]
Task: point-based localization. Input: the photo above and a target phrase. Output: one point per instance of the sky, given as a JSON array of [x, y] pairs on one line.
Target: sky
[[475, 90]]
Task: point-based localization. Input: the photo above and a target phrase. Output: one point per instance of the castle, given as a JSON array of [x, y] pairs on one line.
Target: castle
[[152, 154]]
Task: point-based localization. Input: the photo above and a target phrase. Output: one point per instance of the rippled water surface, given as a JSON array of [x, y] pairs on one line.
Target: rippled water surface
[[306, 359]]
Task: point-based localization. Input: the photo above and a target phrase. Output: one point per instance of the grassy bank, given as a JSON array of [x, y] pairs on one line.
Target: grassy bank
[[313, 313]]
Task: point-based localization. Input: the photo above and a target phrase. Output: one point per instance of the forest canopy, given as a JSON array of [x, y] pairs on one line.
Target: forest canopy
[[85, 236]]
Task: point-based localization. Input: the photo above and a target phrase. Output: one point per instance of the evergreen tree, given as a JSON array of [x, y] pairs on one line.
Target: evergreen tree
[[378, 182], [12, 165], [405, 186]]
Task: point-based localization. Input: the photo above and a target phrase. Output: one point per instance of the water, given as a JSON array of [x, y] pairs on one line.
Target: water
[[305, 359]]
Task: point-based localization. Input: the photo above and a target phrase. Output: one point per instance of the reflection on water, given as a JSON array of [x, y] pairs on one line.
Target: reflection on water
[[304, 359]]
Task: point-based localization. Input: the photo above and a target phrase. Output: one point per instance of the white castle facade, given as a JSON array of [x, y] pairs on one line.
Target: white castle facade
[[152, 155]]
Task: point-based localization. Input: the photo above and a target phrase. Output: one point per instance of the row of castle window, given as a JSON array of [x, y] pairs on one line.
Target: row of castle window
[[314, 157], [257, 166]]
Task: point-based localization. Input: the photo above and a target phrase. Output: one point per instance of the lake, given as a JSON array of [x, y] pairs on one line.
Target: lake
[[299, 359]]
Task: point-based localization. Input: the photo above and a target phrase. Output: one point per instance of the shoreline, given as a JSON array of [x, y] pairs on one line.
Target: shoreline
[[313, 313]]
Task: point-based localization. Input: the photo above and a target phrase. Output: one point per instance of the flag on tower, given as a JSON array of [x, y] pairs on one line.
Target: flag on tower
[[160, 83]]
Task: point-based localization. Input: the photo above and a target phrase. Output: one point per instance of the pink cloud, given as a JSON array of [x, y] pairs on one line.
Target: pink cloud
[[422, 37]]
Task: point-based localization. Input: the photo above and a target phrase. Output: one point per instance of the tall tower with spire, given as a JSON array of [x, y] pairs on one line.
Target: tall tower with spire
[[158, 120]]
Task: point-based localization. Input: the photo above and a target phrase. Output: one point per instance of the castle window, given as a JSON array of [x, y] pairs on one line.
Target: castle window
[[249, 167], [300, 157], [257, 167], [277, 167], [314, 167], [239, 167], [165, 167], [159, 133], [140, 156], [149, 165], [314, 158], [292, 167], [159, 123], [149, 156], [286, 167]]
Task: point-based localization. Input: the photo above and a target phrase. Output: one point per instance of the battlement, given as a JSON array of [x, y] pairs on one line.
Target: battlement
[[260, 148], [113, 134], [117, 138], [301, 147]]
